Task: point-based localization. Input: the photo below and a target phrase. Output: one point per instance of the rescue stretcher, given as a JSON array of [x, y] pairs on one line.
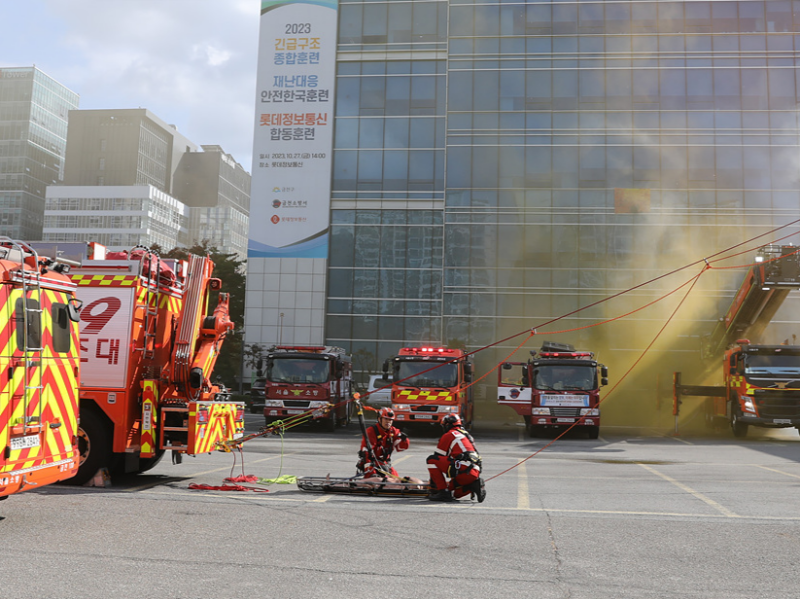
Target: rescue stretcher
[[372, 486]]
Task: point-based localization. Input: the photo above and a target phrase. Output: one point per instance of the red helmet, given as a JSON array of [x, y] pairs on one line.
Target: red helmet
[[386, 413], [450, 421]]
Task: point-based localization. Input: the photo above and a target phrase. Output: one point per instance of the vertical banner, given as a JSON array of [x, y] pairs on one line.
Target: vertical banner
[[293, 141]]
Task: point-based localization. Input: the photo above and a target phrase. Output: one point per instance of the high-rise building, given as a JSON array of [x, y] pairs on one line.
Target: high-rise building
[[218, 190], [33, 136], [499, 165], [130, 178]]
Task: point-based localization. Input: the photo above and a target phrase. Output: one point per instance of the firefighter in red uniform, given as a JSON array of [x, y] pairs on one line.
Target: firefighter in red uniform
[[455, 459], [384, 439]]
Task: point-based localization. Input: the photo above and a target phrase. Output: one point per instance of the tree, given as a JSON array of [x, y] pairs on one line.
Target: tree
[[230, 270]]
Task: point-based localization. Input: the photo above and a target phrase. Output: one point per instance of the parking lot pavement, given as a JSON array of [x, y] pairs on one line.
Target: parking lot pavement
[[635, 513]]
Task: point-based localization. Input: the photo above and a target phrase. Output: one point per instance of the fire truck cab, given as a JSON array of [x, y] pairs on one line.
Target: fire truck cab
[[301, 378], [430, 383], [557, 388]]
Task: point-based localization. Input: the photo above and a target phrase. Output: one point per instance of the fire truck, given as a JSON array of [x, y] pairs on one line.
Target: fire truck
[[557, 388], [39, 369], [149, 340], [761, 383], [429, 383], [303, 378]]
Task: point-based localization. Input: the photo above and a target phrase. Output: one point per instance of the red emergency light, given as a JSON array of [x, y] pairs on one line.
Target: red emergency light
[[565, 354], [428, 350], [301, 348]]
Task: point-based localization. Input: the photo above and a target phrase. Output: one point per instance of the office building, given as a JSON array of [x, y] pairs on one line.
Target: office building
[[130, 178], [33, 136], [499, 165]]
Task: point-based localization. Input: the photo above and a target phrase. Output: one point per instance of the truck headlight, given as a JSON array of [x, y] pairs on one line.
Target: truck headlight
[[541, 411], [401, 406], [747, 402], [448, 409], [590, 412], [274, 403]]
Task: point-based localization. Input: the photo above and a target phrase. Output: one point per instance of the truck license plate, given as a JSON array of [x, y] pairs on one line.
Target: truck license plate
[[424, 416], [294, 411], [29, 441], [782, 421], [565, 420]]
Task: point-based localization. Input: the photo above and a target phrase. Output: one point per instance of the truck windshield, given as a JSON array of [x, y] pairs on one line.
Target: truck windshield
[[565, 377], [298, 370], [772, 363], [443, 376], [517, 375]]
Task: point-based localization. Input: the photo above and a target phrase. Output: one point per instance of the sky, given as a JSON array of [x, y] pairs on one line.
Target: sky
[[190, 62]]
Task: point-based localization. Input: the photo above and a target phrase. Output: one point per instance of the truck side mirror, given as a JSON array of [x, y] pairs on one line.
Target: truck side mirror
[[386, 369], [468, 372], [604, 372], [604, 381], [260, 367], [507, 366]]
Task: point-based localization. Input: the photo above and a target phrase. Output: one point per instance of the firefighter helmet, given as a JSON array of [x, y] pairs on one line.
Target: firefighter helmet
[[386, 413], [450, 421]]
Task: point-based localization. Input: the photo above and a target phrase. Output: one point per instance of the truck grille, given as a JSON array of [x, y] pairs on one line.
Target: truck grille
[[559, 411], [425, 408], [777, 405], [295, 403]]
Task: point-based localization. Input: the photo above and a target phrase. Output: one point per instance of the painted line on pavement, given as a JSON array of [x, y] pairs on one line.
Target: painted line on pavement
[[689, 490], [523, 497]]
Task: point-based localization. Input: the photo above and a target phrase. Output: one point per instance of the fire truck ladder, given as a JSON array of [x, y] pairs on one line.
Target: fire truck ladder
[[192, 313], [31, 317], [765, 287], [152, 301]]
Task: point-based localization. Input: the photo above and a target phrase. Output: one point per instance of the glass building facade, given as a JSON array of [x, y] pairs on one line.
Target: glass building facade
[[33, 138], [500, 164]]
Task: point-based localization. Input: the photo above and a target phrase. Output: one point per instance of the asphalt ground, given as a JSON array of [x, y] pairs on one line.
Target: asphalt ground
[[634, 514]]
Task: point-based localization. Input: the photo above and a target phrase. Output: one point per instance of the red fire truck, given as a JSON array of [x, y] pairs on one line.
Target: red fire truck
[[557, 388], [301, 378], [39, 369], [430, 383], [149, 340], [761, 383]]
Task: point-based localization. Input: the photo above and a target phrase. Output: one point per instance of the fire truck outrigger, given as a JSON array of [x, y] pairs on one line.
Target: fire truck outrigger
[[557, 388], [429, 383], [148, 346], [299, 378], [39, 369]]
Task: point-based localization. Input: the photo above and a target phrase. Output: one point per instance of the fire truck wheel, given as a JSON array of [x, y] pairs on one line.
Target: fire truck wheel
[[145, 464], [593, 432], [536, 431], [739, 429], [94, 446]]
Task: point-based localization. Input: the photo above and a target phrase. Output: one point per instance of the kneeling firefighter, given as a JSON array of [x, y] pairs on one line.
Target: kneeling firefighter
[[382, 439], [455, 465]]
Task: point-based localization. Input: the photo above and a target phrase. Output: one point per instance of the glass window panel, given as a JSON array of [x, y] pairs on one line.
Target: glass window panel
[[347, 96], [396, 133], [370, 134], [398, 95], [395, 170], [425, 19], [370, 167], [341, 281], [485, 89], [399, 22], [344, 170], [350, 23], [373, 92], [346, 133], [422, 133], [375, 23]]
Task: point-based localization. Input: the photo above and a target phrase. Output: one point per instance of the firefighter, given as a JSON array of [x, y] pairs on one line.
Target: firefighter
[[384, 439], [455, 466]]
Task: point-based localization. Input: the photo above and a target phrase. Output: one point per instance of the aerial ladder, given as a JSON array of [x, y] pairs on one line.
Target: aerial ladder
[[761, 383]]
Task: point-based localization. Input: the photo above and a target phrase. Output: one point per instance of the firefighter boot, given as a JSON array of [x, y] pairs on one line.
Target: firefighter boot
[[441, 496], [478, 489]]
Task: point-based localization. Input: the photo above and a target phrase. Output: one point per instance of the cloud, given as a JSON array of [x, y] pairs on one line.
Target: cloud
[[190, 62]]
